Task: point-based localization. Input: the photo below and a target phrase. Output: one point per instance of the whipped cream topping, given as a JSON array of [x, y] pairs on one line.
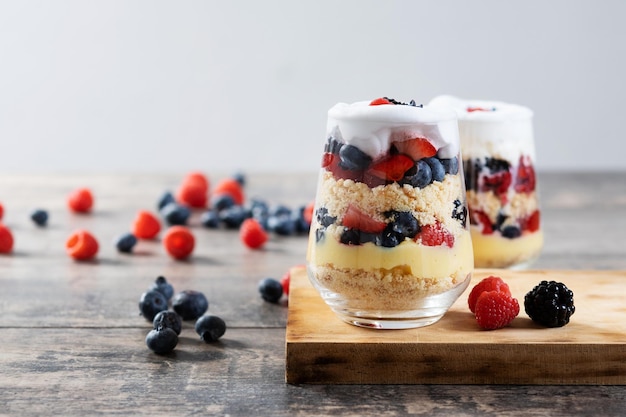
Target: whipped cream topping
[[491, 128], [372, 129]]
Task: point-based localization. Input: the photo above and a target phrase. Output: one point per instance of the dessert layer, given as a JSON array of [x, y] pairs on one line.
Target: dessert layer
[[495, 251]]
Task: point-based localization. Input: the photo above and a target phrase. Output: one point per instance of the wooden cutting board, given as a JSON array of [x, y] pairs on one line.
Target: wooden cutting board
[[591, 349]]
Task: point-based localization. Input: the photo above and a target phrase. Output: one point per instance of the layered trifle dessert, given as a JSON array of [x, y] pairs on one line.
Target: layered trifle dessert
[[498, 148], [389, 244]]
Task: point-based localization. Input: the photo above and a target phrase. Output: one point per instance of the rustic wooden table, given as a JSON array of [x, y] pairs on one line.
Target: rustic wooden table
[[72, 342]]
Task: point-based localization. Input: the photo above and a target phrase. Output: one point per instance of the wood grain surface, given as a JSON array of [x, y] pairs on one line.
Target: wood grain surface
[[72, 343], [591, 349]]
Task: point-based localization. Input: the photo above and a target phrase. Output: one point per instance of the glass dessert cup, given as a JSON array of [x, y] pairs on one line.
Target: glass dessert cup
[[389, 246], [499, 158]]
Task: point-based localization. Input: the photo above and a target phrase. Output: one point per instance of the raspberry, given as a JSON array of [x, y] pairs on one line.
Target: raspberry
[[495, 309], [193, 193], [308, 212], [198, 178], [6, 239], [146, 225], [550, 304], [179, 242], [435, 235], [81, 245], [80, 200], [252, 234], [491, 283], [231, 187], [1, 211], [284, 281]]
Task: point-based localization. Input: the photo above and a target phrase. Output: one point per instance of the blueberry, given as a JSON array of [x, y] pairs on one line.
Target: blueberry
[[437, 169], [332, 145], [151, 303], [175, 214], [210, 219], [280, 210], [451, 165], [168, 320], [259, 208], [353, 159], [40, 217], [390, 239], [403, 223], [460, 212], [323, 218], [423, 176], [190, 304], [162, 341], [283, 225], [319, 235], [232, 217], [126, 242], [302, 225], [222, 202], [165, 199], [161, 285], [497, 165], [210, 328], [240, 177], [511, 232], [271, 290], [350, 237]]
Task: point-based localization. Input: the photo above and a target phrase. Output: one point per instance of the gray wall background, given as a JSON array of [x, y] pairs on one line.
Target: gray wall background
[[168, 86]]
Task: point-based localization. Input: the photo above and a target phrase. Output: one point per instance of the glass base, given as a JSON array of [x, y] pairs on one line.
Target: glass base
[[423, 312]]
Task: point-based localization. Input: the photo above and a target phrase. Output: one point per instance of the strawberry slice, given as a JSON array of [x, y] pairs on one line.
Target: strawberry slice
[[532, 222], [525, 181], [416, 148], [354, 218], [435, 235], [379, 101], [392, 168], [498, 183], [481, 218]]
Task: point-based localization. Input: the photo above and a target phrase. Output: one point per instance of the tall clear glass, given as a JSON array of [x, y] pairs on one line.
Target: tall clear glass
[[498, 147], [390, 245]]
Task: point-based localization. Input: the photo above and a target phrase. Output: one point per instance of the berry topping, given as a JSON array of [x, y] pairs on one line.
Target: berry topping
[[40, 217], [550, 304], [146, 225], [81, 245], [6, 239], [495, 309], [353, 159], [491, 283], [179, 242], [252, 234], [380, 101], [391, 168], [126, 242], [162, 341], [270, 290], [416, 148], [80, 200], [210, 328], [190, 304], [435, 235], [354, 218], [525, 180], [151, 303], [168, 320]]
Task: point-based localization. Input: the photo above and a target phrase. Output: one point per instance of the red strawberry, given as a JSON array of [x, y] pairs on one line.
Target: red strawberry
[[480, 217], [354, 218], [435, 235], [491, 283], [525, 181], [416, 148], [392, 168], [532, 222], [327, 159], [379, 101], [498, 183], [495, 309]]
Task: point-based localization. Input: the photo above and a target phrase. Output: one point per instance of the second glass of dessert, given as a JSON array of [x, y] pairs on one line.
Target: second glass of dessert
[[390, 245], [499, 161]]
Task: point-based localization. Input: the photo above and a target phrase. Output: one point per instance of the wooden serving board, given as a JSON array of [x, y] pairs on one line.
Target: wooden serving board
[[591, 349]]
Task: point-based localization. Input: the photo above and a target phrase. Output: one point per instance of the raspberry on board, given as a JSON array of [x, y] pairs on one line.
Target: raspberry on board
[[495, 309], [491, 283], [146, 225], [252, 234], [231, 187], [81, 245], [179, 242], [80, 200], [6, 239]]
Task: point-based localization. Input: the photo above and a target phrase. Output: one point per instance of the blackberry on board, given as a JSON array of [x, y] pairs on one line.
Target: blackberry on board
[[550, 304]]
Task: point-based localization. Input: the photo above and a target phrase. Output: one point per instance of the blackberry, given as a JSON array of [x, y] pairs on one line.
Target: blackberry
[[550, 304]]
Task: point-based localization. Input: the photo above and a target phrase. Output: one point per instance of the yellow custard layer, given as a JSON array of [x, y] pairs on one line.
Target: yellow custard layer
[[495, 251], [414, 259]]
